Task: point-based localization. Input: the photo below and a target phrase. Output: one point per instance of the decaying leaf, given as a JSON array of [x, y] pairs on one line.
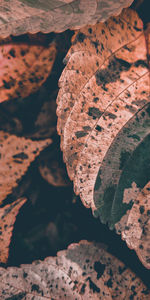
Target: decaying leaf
[[83, 271], [22, 16], [136, 233], [24, 68], [104, 116], [8, 215], [16, 154]]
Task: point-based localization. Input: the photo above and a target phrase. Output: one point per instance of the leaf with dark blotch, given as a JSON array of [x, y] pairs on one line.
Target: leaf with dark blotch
[[16, 155], [104, 116], [22, 16], [24, 67], [8, 215], [84, 271]]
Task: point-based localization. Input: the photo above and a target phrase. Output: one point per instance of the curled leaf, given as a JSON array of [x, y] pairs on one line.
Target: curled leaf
[[24, 68], [83, 271], [8, 215], [22, 16], [104, 115]]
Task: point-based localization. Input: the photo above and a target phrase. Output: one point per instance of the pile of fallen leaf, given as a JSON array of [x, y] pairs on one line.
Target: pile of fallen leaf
[[101, 97]]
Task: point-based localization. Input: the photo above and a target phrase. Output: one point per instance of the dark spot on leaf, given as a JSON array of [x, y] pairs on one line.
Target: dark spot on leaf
[[94, 112], [93, 286], [90, 30], [109, 283], [95, 99], [80, 37], [98, 128], [21, 155], [35, 287], [110, 115], [82, 291], [86, 128], [99, 268], [25, 274], [112, 72], [9, 84], [141, 63], [141, 209], [12, 52], [80, 134], [19, 296], [137, 29]]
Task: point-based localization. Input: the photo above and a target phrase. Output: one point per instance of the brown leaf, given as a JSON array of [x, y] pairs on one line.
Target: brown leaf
[[83, 271], [103, 111], [8, 215], [16, 154], [24, 68], [21, 16], [136, 233]]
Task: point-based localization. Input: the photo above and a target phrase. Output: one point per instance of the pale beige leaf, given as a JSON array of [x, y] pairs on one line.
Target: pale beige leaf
[[8, 215], [24, 68], [84, 271], [21, 16], [16, 154]]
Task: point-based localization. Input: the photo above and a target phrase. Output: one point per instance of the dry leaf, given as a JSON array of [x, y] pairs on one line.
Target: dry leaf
[[16, 154], [24, 68], [8, 215], [104, 114], [136, 233], [21, 16], [83, 271]]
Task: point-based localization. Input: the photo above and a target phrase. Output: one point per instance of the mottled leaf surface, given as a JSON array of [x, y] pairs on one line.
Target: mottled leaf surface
[[16, 155], [24, 67], [22, 16], [8, 215], [104, 116], [83, 271]]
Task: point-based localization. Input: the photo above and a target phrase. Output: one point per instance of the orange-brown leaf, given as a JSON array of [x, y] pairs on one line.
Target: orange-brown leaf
[[24, 68], [8, 215], [16, 154]]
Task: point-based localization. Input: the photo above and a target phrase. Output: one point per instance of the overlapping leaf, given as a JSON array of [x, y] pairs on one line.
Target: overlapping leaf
[[22, 16], [104, 117], [16, 154], [83, 271], [24, 68], [8, 215]]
